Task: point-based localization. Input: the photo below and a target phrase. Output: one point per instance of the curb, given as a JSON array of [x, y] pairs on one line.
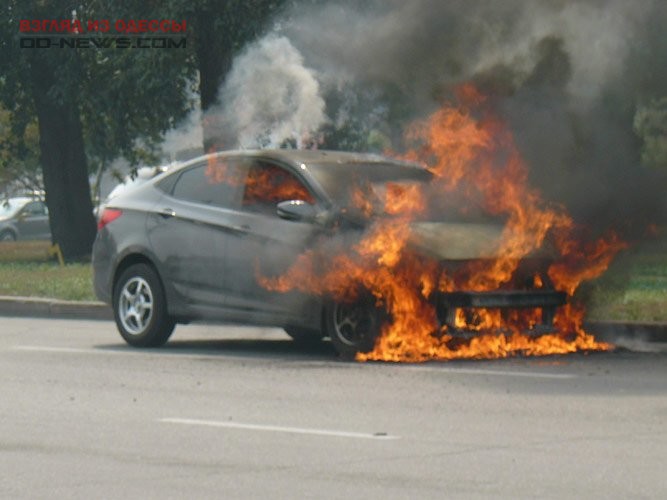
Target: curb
[[612, 331], [607, 331], [53, 308]]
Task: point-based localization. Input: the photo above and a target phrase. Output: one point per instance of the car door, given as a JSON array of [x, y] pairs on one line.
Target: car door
[[33, 221], [267, 245], [188, 231]]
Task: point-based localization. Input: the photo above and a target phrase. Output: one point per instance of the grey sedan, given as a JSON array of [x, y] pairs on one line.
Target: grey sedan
[[191, 243]]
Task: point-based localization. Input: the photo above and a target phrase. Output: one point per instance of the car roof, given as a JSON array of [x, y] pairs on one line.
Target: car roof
[[314, 156], [19, 200], [332, 171], [309, 157]]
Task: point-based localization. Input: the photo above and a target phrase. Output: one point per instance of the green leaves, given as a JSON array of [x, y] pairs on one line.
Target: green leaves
[[650, 125]]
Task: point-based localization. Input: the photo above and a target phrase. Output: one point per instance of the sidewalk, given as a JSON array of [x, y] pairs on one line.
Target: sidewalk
[[52, 308]]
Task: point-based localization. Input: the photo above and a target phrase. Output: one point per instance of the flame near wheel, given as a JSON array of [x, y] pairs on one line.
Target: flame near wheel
[[353, 327]]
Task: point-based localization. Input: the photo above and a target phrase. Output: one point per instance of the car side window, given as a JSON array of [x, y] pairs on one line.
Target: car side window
[[267, 184], [34, 208], [197, 185]]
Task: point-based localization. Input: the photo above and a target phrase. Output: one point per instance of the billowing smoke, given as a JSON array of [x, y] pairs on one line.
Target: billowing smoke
[[568, 76], [184, 142], [269, 98]]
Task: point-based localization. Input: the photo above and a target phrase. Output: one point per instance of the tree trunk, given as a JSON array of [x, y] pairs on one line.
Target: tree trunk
[[214, 60], [64, 166]]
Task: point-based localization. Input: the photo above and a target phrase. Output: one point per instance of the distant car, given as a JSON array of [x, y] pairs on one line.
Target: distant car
[[24, 218], [190, 243]]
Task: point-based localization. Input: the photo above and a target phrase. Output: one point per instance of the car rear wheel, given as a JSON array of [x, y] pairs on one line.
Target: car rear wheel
[[140, 307], [353, 327], [7, 236]]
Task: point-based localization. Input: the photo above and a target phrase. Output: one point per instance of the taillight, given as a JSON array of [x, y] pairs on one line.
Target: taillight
[[108, 215]]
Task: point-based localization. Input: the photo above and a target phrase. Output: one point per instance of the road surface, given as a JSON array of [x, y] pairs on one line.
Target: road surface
[[224, 412]]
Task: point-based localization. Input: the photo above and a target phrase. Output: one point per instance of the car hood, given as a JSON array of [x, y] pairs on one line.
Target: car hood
[[460, 241]]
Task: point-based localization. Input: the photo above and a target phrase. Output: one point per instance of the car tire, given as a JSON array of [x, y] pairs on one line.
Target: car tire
[[7, 236], [304, 335], [353, 327], [140, 307]]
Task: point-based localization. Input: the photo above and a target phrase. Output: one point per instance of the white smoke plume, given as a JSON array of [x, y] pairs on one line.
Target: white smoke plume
[[269, 97], [186, 140]]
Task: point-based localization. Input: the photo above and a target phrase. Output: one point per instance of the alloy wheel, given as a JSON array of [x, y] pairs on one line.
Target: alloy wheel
[[135, 307], [353, 323]]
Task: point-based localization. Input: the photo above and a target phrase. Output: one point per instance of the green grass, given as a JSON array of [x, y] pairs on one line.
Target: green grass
[[27, 269], [47, 279], [634, 288]]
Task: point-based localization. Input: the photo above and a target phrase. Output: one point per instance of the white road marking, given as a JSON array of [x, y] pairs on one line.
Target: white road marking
[[440, 368], [276, 428], [482, 371]]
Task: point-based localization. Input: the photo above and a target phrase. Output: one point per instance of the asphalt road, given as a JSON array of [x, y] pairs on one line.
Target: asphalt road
[[226, 412]]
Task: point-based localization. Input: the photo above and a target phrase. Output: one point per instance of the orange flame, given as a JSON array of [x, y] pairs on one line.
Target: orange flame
[[264, 183], [270, 184], [476, 156]]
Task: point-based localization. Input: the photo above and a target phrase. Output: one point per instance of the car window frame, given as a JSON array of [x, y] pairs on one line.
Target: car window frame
[[250, 161], [167, 183], [168, 186], [27, 212]]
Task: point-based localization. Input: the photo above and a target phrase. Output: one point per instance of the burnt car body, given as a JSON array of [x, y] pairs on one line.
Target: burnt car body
[[186, 246], [24, 218]]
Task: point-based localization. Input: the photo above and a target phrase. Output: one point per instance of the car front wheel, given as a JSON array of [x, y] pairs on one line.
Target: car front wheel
[[353, 327], [140, 307], [7, 236]]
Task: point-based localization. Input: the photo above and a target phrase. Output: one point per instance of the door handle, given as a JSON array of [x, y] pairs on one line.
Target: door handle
[[167, 213]]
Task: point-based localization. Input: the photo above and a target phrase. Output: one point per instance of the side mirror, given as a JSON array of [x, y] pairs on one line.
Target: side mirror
[[296, 210]]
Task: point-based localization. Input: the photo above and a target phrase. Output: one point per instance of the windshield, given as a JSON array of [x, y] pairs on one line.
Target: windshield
[[368, 186], [9, 208]]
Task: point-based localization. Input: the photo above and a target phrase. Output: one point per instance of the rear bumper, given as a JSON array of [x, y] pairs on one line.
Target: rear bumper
[[102, 269]]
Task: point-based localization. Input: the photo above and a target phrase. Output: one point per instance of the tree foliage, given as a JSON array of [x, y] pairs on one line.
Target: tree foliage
[[650, 124], [19, 155], [91, 105], [219, 30]]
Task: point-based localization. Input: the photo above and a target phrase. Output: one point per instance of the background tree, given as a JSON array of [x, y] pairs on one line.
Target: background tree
[[220, 29], [650, 124], [19, 154], [93, 105], [89, 104]]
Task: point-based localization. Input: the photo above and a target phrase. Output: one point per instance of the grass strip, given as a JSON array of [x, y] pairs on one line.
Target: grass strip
[[47, 279]]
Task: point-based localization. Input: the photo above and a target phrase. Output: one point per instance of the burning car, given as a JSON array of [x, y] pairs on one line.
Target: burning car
[[287, 238]]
